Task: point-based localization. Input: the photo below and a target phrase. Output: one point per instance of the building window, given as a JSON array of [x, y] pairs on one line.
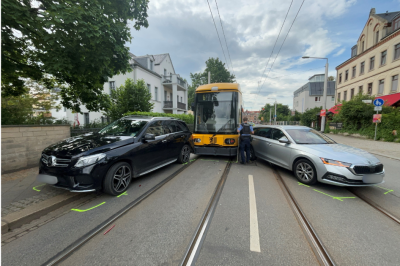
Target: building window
[[377, 37], [165, 72], [317, 99], [156, 93], [354, 72], [65, 109], [338, 96], [165, 95], [181, 100], [346, 75], [351, 94], [369, 88], [383, 58], [151, 65], [371, 63], [332, 98], [149, 88], [112, 85], [360, 90], [362, 46], [354, 51], [340, 78], [397, 50], [86, 118], [362, 67], [345, 96], [395, 80], [381, 86]]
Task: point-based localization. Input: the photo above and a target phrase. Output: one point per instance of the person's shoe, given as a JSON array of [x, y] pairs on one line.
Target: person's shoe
[[242, 163]]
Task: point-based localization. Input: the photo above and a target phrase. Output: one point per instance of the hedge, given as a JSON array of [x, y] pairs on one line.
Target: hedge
[[189, 119]]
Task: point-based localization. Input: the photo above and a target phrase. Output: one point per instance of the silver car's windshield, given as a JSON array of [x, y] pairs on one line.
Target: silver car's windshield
[[308, 136], [124, 127]]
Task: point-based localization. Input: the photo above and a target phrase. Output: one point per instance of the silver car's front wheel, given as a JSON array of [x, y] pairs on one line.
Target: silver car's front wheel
[[305, 172]]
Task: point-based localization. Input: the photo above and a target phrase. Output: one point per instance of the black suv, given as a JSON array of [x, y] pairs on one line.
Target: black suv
[[127, 148]]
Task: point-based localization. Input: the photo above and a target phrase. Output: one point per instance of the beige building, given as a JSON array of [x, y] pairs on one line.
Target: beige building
[[374, 66]]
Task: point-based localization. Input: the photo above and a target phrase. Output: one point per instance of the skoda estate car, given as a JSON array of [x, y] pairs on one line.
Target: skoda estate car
[[314, 157], [127, 148]]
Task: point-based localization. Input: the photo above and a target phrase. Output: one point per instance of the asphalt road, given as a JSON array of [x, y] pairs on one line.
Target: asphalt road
[[252, 225]]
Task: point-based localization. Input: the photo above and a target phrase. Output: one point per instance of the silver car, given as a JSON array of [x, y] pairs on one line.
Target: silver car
[[314, 157]]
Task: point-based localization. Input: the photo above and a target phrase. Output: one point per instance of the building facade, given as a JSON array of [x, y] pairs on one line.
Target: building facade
[[310, 95], [168, 90], [374, 66]]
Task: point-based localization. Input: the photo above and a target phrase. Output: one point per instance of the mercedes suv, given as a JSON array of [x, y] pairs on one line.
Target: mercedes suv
[[108, 160]]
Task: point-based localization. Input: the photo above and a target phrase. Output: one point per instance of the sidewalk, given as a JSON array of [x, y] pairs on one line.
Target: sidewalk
[[388, 149]]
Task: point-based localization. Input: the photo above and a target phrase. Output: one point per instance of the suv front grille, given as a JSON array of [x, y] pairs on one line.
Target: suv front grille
[[52, 161], [371, 169]]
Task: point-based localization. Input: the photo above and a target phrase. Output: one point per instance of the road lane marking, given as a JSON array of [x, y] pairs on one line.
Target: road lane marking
[[333, 197], [254, 234], [78, 210], [35, 188]]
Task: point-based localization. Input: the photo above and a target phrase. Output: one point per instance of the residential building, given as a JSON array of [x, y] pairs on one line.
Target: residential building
[[168, 90], [311, 94], [375, 60], [252, 116]]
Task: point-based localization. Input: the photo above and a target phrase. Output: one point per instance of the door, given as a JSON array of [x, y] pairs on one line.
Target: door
[[279, 153], [261, 142], [177, 138], [153, 152]]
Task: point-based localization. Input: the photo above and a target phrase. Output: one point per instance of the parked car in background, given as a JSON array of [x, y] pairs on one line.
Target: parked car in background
[[314, 157], [127, 148]]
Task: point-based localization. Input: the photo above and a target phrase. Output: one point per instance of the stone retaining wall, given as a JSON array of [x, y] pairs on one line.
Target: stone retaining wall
[[21, 146]]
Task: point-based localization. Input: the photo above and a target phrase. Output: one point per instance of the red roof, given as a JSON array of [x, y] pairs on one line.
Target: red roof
[[390, 99], [335, 109]]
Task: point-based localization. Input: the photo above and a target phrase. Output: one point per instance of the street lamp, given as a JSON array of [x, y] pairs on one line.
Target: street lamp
[[325, 89]]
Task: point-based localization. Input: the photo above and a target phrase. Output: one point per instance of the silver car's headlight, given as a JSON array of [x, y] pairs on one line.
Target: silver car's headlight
[[88, 160], [335, 163]]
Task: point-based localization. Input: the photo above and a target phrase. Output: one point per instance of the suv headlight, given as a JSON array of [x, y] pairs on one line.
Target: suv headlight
[[88, 160], [335, 163]]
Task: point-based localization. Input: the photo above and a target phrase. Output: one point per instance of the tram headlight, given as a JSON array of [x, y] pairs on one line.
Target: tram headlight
[[229, 141], [197, 140]]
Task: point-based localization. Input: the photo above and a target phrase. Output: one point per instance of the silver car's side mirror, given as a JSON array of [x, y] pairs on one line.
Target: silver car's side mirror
[[284, 140]]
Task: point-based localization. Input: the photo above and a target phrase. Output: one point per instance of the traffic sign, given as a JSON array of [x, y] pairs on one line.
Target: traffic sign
[[378, 102], [378, 108], [367, 101]]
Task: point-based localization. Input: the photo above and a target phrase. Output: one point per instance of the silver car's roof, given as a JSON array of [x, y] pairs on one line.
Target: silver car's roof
[[282, 127]]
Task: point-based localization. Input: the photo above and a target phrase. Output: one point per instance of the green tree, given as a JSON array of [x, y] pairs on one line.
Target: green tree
[[309, 116], [130, 97], [283, 112], [331, 78], [80, 43]]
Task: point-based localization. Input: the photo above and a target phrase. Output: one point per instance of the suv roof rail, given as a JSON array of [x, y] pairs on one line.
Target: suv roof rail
[[155, 117]]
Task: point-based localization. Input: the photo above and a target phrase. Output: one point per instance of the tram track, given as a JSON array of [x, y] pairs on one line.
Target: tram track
[[61, 256], [374, 205], [200, 234], [320, 251]]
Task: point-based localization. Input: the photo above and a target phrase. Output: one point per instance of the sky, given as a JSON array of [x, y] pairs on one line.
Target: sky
[[323, 28]]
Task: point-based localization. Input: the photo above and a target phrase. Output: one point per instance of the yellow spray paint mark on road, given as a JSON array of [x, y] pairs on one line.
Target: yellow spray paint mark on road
[[190, 161], [333, 197], [35, 188], [125, 193], [388, 190], [301, 184], [78, 210]]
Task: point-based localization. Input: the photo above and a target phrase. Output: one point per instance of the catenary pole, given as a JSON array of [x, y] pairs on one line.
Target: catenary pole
[[209, 77], [324, 96]]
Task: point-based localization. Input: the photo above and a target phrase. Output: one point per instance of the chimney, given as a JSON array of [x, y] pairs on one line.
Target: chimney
[[372, 12]]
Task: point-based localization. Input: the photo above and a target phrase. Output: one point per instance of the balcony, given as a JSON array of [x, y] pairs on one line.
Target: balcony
[[182, 106], [171, 79], [169, 105]]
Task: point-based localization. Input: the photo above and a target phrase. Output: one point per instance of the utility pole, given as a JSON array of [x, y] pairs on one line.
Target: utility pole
[[324, 96], [270, 113], [209, 77], [275, 113]]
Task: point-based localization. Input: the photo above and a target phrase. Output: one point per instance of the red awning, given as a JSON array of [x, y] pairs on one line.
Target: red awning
[[390, 99], [335, 109]]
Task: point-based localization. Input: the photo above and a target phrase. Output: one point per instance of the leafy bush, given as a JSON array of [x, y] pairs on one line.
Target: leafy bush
[[309, 116], [189, 119]]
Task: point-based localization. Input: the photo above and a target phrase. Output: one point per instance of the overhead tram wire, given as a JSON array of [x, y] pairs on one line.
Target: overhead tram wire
[[217, 33], [276, 39], [281, 45], [220, 20]]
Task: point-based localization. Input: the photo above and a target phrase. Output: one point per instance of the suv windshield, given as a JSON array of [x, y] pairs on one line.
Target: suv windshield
[[124, 127], [309, 136]]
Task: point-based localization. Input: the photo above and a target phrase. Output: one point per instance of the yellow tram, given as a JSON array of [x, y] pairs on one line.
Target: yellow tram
[[218, 114]]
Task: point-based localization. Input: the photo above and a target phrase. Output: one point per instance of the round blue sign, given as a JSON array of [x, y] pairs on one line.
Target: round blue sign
[[378, 102]]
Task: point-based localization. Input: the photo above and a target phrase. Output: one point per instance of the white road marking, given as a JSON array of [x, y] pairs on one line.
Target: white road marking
[[254, 235]]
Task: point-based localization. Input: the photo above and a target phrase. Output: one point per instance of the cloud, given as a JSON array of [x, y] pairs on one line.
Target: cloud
[[185, 29], [339, 52]]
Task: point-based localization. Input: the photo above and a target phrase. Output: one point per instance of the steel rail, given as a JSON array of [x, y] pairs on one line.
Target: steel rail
[[315, 242], [85, 238], [198, 238], [375, 206]]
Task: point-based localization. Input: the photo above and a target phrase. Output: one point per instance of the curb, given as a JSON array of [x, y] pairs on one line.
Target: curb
[[384, 155], [33, 212]]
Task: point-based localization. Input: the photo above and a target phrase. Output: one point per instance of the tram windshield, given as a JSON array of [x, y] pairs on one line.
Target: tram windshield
[[216, 112]]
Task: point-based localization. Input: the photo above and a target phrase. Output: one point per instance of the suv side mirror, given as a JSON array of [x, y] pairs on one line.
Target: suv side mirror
[[284, 140], [149, 136]]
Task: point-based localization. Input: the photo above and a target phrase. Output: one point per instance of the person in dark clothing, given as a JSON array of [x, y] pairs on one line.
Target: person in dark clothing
[[245, 131]]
